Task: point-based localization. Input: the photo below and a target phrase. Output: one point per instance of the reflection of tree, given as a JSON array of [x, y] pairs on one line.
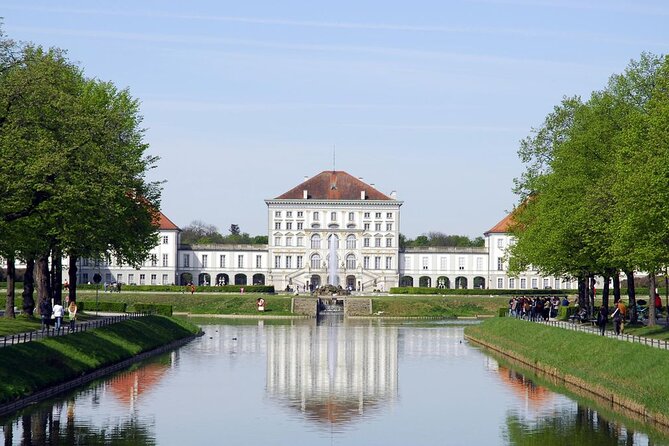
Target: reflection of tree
[[584, 426], [42, 426]]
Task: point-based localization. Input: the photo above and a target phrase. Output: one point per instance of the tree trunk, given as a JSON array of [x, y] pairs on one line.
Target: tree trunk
[[11, 288], [605, 292], [651, 299], [57, 274], [631, 295], [29, 287], [616, 286], [591, 295], [582, 292], [43, 279], [72, 277]]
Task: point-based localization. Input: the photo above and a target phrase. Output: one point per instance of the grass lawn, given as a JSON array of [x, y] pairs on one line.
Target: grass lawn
[[437, 306]]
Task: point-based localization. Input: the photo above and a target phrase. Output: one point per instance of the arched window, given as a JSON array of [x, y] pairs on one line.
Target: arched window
[[350, 261], [315, 261], [350, 242], [315, 241]]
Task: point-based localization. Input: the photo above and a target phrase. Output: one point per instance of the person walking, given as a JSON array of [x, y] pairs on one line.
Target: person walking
[[602, 319], [623, 314], [58, 312], [45, 311], [617, 318], [72, 311]]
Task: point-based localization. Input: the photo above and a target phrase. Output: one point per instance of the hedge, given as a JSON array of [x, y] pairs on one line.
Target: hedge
[[114, 307], [180, 288], [565, 312], [476, 291], [164, 310], [503, 312]]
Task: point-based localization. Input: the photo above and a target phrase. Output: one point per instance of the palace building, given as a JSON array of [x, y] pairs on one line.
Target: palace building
[[335, 229]]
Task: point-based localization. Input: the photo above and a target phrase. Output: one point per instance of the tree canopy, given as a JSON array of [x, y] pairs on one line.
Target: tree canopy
[[201, 233]]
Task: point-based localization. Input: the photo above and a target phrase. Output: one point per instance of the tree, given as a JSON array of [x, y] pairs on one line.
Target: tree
[[234, 229]]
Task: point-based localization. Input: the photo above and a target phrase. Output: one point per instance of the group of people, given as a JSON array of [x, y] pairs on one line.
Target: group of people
[[535, 308], [112, 286], [618, 316], [55, 313]]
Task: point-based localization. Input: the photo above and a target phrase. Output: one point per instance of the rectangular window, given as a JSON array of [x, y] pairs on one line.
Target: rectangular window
[[377, 242], [500, 243], [277, 214], [186, 260], [442, 263], [165, 259], [425, 262], [300, 214], [500, 283], [500, 264], [557, 283], [389, 226], [84, 262], [289, 214], [221, 261], [205, 260], [289, 225], [300, 241], [365, 262], [131, 279], [377, 226], [289, 241], [300, 225], [547, 283], [277, 225], [461, 263], [119, 278], [240, 261], [142, 279], [535, 282], [389, 242], [389, 263], [316, 216], [377, 215], [154, 260], [407, 262], [351, 216], [523, 283], [165, 240], [165, 279], [258, 262], [289, 261], [333, 216], [377, 262], [277, 241], [277, 261], [512, 283], [389, 215], [299, 261], [154, 279], [366, 214], [365, 242], [366, 226], [479, 263]]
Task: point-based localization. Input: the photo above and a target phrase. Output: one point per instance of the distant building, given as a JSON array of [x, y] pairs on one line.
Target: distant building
[[331, 228]]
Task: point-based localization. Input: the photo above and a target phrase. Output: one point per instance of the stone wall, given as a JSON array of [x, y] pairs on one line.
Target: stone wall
[[357, 307], [304, 305]]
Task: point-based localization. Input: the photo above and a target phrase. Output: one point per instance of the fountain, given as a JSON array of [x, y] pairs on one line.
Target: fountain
[[332, 266]]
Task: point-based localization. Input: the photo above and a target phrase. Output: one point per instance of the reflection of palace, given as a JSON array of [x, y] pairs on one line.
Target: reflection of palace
[[333, 373], [445, 342]]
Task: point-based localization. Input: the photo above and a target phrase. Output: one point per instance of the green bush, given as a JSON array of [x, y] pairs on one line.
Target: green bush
[[90, 305], [164, 310], [565, 312], [503, 312], [476, 291]]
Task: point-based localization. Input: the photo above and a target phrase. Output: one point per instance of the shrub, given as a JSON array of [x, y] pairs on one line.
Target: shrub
[[565, 312], [503, 312], [90, 305], [180, 288], [475, 291], [165, 310]]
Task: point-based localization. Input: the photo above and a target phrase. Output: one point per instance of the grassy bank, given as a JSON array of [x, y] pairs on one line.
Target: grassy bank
[[437, 306], [26, 368], [631, 372]]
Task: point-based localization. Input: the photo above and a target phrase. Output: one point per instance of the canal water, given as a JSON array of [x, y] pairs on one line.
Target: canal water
[[331, 382]]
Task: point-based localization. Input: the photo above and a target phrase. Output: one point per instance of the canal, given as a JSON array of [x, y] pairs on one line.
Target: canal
[[335, 381]]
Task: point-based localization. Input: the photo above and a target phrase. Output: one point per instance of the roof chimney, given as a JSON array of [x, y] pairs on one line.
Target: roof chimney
[[393, 195], [371, 184], [362, 194], [305, 194], [306, 177]]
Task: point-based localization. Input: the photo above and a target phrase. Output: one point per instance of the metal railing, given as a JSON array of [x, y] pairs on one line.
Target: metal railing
[[79, 327], [651, 342]]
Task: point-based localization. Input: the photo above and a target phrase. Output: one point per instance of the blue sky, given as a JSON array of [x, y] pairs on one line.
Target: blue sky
[[241, 100]]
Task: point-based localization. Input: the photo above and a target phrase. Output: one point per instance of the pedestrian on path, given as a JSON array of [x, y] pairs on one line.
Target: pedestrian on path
[[72, 310], [602, 319], [45, 311], [58, 312]]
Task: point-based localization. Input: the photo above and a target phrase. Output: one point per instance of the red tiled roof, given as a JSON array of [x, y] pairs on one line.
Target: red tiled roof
[[504, 226], [165, 223], [333, 185]]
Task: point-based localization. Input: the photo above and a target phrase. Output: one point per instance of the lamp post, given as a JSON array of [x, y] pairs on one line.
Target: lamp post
[[97, 278]]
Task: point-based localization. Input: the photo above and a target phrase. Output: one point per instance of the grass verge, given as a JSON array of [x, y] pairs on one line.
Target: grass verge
[[631, 372], [26, 368], [437, 306]]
